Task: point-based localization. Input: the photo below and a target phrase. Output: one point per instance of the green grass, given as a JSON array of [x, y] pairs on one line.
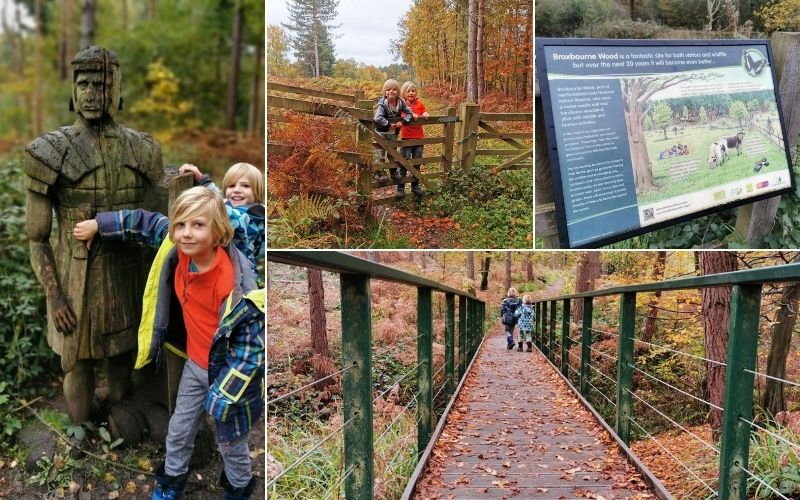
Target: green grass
[[775, 462], [699, 140]]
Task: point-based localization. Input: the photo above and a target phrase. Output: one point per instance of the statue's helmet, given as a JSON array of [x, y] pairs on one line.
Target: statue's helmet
[[94, 59]]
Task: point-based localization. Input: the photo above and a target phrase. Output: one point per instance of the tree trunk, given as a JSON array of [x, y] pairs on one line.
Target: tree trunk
[[587, 271], [528, 44], [236, 61], [88, 8], [37, 68], [125, 16], [472, 34], [479, 49], [650, 323], [321, 359], [529, 267], [471, 265], [507, 271], [782, 330], [65, 49], [256, 107], [485, 273], [716, 313]]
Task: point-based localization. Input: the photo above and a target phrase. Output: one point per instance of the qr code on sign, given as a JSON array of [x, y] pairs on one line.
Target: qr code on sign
[[648, 214]]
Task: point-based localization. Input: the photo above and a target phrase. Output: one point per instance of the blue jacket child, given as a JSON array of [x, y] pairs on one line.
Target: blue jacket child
[[507, 310], [526, 316]]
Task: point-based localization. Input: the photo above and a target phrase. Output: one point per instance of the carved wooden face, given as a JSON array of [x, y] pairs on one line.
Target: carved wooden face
[[95, 94]]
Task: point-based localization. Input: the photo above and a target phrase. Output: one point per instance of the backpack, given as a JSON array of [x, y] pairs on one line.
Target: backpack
[[510, 305]]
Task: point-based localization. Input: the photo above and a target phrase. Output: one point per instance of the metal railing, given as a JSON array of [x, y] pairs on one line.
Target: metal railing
[[355, 275], [738, 422]]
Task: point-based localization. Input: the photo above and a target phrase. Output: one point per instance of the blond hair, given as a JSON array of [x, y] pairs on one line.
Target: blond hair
[[391, 83], [406, 87], [252, 174], [512, 292], [199, 201], [526, 299]]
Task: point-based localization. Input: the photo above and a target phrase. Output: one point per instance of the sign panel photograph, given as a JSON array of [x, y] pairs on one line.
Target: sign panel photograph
[[643, 134]]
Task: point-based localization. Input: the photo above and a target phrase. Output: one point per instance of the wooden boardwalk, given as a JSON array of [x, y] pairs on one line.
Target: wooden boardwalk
[[517, 430]]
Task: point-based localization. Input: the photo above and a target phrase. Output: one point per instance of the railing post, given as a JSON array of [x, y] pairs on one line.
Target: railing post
[[425, 368], [357, 384], [449, 343], [627, 325], [586, 342], [545, 349], [565, 341], [551, 352], [742, 345], [462, 336], [449, 139], [468, 137]]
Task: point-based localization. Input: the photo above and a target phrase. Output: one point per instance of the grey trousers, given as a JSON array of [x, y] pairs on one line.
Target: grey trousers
[[185, 422]]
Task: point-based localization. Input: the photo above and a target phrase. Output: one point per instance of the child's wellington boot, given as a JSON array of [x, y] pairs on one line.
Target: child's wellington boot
[[519, 346], [510, 341], [530, 346], [241, 493], [169, 487]]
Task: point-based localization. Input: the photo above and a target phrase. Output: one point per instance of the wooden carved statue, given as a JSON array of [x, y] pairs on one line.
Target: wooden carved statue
[[93, 294]]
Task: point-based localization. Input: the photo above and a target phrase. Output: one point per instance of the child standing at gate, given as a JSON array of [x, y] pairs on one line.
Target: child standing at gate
[[410, 132], [525, 315], [507, 310], [391, 114]]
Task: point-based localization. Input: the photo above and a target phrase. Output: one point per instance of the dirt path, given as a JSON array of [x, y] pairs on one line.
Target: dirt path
[[518, 430]]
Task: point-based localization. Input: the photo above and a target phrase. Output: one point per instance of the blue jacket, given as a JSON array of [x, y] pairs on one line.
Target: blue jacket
[[236, 360], [509, 307], [526, 315], [384, 114]]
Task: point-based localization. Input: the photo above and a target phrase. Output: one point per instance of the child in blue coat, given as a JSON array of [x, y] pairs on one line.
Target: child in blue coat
[[525, 315]]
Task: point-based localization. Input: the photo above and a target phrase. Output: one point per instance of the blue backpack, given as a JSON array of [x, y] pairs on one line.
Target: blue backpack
[[510, 305]]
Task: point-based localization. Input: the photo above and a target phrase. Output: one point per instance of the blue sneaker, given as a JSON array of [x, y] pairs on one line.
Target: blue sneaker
[[169, 487], [510, 341]]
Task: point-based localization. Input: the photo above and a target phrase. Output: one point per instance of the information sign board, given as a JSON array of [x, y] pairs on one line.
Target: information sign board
[[647, 133]]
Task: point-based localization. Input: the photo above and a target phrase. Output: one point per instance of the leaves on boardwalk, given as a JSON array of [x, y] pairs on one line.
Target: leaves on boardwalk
[[518, 431]]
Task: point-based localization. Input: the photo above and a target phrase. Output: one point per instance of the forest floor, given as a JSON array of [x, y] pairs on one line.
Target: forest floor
[[73, 474]]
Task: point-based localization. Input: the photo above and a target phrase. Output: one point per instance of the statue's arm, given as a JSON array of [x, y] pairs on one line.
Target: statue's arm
[[39, 224]]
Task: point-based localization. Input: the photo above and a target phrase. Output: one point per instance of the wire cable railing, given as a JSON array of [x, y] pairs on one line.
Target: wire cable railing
[[718, 363], [271, 402], [667, 384], [601, 394], [764, 483]]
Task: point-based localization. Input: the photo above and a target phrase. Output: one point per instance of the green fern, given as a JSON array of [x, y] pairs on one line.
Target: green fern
[[299, 217]]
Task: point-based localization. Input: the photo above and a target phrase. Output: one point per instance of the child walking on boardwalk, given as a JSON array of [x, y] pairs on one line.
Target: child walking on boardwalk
[[411, 132], [507, 310], [392, 113], [525, 315], [219, 324]]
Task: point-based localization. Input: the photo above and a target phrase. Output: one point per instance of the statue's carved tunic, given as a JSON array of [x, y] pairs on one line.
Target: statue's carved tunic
[[81, 169]]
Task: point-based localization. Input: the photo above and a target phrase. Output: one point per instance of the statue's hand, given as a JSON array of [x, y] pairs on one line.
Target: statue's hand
[[63, 317]]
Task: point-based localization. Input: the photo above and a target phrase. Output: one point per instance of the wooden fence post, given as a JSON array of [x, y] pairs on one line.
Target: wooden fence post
[[449, 137], [364, 170], [468, 136], [756, 220]]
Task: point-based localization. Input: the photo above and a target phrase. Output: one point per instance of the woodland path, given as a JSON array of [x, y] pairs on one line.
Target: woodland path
[[517, 430]]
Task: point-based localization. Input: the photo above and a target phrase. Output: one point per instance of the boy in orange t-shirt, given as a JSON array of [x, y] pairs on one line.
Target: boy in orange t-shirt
[[408, 92]]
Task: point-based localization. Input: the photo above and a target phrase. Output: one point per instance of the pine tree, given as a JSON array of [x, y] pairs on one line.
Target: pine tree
[[311, 34]]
